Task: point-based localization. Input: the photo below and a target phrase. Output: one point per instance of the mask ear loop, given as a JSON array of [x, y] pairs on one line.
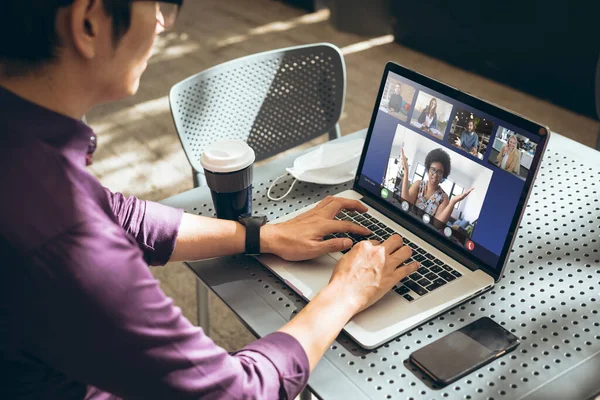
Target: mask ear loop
[[286, 193]]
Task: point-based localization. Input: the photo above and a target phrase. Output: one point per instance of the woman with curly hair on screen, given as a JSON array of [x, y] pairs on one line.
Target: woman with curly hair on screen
[[428, 195]]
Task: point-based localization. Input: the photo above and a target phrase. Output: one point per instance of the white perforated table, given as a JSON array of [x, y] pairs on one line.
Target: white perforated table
[[549, 296]]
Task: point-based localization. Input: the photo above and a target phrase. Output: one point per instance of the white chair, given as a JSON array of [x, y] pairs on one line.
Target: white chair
[[274, 100]]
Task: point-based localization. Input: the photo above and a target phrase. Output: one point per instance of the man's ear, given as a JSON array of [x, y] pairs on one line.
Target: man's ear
[[87, 23]]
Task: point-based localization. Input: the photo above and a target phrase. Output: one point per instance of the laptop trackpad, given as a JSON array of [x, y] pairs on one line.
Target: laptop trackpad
[[310, 276]]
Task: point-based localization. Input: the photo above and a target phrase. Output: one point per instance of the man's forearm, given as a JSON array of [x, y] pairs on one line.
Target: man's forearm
[[319, 323], [203, 237]]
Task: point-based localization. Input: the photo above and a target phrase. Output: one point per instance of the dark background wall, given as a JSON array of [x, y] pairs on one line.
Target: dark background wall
[[549, 48], [546, 48]]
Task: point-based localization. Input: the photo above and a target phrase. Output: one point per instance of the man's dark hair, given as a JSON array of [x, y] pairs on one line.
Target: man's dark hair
[[438, 155], [28, 38]]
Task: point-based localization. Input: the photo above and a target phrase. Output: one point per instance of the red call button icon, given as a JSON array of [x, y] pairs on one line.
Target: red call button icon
[[470, 245]]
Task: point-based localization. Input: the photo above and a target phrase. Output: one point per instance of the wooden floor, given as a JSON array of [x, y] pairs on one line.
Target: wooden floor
[[138, 150]]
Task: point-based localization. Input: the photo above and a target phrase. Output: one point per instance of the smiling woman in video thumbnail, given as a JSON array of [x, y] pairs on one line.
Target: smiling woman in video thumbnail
[[509, 157]]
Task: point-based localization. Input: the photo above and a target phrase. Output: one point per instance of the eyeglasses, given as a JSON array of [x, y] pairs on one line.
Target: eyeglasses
[[438, 172], [167, 12]]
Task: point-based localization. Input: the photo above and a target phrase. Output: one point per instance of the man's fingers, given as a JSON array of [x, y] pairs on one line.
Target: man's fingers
[[332, 226], [402, 254], [334, 207], [333, 245], [404, 270], [392, 244], [324, 202], [339, 244], [316, 208]]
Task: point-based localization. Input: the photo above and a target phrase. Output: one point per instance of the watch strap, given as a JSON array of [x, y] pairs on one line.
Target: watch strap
[[253, 225]]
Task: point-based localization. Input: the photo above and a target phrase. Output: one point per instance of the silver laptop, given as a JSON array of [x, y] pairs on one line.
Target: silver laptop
[[452, 142]]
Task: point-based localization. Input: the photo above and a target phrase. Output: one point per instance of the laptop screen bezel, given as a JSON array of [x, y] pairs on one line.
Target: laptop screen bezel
[[463, 256]]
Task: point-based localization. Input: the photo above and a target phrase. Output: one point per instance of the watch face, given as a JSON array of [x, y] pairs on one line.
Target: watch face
[[257, 217]]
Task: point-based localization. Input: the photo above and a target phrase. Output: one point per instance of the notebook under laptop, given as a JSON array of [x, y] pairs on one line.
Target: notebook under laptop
[[462, 251]]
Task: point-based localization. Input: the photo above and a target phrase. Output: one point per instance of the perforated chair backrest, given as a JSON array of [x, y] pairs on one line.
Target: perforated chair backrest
[[274, 100]]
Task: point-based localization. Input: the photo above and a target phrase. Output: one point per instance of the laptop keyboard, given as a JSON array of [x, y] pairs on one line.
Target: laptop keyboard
[[431, 275]]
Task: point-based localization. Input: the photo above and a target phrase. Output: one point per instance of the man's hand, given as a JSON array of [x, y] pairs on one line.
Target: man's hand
[[361, 277], [458, 142], [368, 271], [301, 238]]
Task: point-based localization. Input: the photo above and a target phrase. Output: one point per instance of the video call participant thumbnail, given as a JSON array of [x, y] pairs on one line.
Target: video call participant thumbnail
[[469, 141], [470, 133], [397, 99], [509, 157], [512, 152], [395, 103], [428, 118], [431, 115]]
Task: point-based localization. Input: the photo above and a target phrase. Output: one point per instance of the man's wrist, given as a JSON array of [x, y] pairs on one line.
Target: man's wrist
[[267, 238], [341, 298]]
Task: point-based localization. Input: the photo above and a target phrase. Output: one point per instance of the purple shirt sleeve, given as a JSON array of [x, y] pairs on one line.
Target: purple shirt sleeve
[[102, 319], [154, 226]]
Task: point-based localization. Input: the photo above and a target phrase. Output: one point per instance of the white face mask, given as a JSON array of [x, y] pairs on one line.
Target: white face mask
[[329, 164]]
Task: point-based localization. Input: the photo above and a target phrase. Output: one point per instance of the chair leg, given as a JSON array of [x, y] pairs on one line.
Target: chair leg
[[335, 132], [305, 395], [199, 179], [202, 303], [201, 289]]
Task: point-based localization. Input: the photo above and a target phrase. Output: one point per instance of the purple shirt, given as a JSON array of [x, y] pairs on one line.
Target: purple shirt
[[81, 316]]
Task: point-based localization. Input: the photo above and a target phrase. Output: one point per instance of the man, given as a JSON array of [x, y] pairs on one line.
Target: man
[[81, 315], [395, 103], [469, 141]]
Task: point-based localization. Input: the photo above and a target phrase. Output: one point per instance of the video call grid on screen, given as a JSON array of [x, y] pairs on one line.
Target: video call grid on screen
[[491, 229], [420, 88]]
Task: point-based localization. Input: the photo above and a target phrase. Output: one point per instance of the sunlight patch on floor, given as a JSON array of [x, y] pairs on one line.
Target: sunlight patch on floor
[[277, 26], [367, 44]]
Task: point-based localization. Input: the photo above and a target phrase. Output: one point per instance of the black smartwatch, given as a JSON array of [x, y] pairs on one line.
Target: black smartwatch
[[252, 224]]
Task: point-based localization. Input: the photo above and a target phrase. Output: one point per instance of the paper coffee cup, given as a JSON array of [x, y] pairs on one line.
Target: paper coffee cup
[[228, 167]]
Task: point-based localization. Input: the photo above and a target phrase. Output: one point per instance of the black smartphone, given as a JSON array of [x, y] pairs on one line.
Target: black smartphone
[[463, 351]]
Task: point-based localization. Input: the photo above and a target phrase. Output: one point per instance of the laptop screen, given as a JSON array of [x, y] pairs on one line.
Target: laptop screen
[[449, 168]]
